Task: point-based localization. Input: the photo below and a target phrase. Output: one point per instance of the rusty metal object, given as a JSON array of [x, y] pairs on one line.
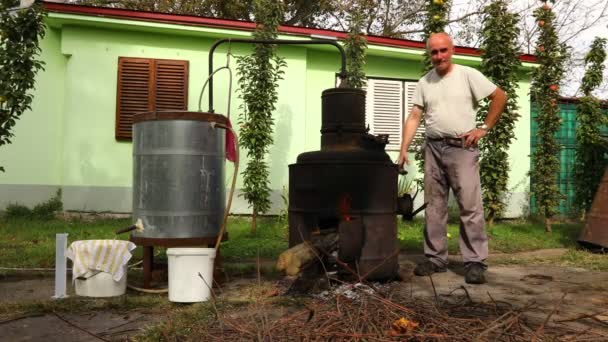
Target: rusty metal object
[[350, 185], [595, 234], [351, 237], [180, 115], [379, 255], [176, 242]]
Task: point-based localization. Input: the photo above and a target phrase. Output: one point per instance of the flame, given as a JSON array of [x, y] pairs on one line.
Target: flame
[[344, 207]]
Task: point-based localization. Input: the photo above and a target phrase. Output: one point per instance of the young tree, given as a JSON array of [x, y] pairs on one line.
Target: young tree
[[259, 75], [20, 33], [436, 19], [437, 12], [590, 161], [355, 45], [544, 91], [500, 62]]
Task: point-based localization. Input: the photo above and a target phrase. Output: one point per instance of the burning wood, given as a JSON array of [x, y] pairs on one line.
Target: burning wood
[[298, 257]]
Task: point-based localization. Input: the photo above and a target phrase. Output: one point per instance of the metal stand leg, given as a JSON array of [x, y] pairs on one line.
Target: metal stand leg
[[148, 265]]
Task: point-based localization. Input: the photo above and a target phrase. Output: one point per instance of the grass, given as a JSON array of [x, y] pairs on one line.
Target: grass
[[30, 243], [510, 237], [186, 324], [267, 243]]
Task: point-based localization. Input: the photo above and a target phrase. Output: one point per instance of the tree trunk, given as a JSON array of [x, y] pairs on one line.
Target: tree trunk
[[547, 225], [254, 221], [490, 220]]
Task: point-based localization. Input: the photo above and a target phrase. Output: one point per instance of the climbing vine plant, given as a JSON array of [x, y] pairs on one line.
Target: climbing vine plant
[[355, 46], [590, 162], [259, 75], [436, 19], [551, 57], [499, 62], [20, 34]]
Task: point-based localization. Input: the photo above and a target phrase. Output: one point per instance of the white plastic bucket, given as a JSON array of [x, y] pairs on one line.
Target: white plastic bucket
[[100, 284], [185, 265]]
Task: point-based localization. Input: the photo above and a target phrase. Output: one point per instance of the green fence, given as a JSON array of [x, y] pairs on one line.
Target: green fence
[[566, 137]]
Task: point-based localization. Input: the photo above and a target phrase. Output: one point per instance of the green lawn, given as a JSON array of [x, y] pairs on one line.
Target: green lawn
[[509, 237], [31, 243]]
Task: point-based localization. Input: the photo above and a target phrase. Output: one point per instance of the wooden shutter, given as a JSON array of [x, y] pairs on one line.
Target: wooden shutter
[[385, 110], [146, 85], [133, 93], [171, 91]]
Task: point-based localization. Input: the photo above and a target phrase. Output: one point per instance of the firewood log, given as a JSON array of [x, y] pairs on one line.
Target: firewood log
[[295, 259]]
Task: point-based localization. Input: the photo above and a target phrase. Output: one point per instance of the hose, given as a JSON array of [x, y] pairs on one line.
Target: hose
[[232, 186], [141, 289], [236, 139]]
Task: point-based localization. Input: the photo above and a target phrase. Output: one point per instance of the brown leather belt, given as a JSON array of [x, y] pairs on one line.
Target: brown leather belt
[[456, 142]]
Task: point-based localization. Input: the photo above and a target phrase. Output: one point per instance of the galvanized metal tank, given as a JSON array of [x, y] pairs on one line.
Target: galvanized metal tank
[[595, 234], [178, 175]]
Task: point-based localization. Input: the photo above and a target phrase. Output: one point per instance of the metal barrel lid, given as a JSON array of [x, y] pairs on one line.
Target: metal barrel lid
[[180, 115]]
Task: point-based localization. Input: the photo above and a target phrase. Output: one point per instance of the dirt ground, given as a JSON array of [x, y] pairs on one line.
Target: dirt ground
[[567, 293]]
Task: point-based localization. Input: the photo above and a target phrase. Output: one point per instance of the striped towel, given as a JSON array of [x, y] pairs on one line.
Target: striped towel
[[108, 256]]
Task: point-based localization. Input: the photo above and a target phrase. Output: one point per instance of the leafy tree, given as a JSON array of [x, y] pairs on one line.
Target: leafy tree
[[436, 19], [259, 74], [20, 33], [437, 11], [551, 56], [500, 62], [355, 44], [590, 161], [296, 12]]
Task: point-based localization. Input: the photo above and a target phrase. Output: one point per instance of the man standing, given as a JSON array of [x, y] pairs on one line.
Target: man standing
[[448, 96]]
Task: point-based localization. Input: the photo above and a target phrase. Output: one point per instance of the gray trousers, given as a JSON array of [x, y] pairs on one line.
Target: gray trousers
[[446, 167]]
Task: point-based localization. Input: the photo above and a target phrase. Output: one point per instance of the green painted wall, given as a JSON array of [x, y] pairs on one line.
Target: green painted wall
[[67, 140], [32, 158]]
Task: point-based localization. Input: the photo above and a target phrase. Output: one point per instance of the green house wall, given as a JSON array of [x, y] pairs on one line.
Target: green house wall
[[67, 140]]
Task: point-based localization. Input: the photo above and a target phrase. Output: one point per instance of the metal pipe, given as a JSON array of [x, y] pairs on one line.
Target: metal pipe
[[342, 73]]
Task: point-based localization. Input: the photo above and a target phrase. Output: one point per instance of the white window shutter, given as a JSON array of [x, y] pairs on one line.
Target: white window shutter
[[385, 103], [410, 88]]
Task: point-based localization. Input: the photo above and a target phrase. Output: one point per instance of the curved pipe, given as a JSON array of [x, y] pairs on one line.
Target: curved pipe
[[342, 73]]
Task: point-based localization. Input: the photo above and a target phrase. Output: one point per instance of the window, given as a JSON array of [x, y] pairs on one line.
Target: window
[[388, 103], [147, 85]]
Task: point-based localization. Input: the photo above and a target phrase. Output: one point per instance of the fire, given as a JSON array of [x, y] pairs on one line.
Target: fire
[[344, 207]]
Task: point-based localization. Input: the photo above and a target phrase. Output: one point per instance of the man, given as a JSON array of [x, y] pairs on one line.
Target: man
[[448, 96]]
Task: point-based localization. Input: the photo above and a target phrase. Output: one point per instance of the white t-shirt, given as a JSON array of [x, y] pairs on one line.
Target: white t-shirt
[[450, 102]]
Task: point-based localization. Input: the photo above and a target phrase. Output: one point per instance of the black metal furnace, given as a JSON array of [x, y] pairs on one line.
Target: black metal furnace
[[349, 186]]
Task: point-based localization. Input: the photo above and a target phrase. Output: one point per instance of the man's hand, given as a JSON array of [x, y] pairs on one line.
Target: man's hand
[[402, 160], [472, 137]]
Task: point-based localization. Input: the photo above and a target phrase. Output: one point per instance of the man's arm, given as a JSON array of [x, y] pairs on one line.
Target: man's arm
[[409, 131], [498, 99]]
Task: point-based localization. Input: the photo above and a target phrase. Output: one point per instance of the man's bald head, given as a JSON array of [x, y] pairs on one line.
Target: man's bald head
[[440, 48], [439, 36]]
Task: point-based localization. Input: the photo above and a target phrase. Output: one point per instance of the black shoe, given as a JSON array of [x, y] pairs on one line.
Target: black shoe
[[427, 268], [475, 273]]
